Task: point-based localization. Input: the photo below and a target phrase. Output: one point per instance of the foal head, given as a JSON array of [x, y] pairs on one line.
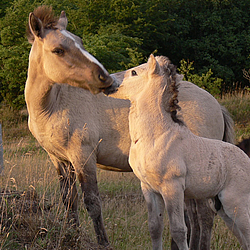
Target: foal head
[[60, 55], [158, 73]]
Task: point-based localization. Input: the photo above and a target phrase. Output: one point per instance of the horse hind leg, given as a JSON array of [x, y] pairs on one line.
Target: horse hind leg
[[237, 218], [192, 223], [206, 220], [156, 209], [232, 226], [201, 219]]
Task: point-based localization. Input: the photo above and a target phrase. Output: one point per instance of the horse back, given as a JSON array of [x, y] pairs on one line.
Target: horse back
[[200, 111]]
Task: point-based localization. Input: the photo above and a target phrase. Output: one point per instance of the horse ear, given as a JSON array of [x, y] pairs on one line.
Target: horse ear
[[179, 77], [153, 65], [36, 26], [63, 21]]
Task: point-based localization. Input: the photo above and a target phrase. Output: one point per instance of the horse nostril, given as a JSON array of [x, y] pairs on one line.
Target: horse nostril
[[102, 78]]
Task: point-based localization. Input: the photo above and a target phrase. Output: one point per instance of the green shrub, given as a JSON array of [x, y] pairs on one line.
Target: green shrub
[[205, 81]]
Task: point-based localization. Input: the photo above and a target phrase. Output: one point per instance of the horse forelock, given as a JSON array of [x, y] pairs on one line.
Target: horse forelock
[[170, 94], [47, 17]]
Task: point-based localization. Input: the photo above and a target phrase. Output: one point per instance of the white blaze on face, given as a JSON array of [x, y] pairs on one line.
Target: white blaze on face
[[84, 52]]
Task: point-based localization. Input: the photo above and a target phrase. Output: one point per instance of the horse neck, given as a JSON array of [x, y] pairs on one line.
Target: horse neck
[[38, 86], [148, 112]]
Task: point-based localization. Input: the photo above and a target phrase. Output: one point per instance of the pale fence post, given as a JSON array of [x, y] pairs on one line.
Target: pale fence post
[[1, 150]]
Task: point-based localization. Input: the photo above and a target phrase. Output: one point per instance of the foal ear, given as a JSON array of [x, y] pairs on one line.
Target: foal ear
[[36, 26], [153, 65], [63, 21]]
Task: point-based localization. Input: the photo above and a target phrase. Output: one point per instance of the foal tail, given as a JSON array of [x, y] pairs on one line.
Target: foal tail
[[229, 135]]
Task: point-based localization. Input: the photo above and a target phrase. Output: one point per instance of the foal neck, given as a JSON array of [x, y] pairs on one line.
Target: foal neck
[[148, 112]]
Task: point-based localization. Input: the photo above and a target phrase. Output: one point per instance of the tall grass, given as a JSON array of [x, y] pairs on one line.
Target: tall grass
[[238, 105], [32, 213]]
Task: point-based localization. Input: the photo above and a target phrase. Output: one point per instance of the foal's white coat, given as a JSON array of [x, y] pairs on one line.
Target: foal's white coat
[[173, 163]]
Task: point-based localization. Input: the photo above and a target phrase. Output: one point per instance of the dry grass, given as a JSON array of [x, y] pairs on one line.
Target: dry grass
[[239, 107], [32, 214]]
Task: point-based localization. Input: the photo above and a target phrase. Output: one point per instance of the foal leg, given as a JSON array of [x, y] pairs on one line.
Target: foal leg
[[232, 226], [156, 207], [188, 224], [173, 195], [88, 181], [67, 178], [236, 213]]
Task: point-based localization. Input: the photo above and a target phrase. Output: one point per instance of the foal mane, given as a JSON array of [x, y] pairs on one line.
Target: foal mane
[[170, 93], [47, 17]]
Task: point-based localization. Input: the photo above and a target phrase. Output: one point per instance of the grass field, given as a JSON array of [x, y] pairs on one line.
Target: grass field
[[32, 214]]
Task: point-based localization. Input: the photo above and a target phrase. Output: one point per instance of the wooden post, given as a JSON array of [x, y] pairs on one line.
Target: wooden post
[[1, 150]]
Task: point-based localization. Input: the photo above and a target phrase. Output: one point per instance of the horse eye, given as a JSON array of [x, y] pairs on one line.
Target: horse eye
[[133, 73], [58, 51]]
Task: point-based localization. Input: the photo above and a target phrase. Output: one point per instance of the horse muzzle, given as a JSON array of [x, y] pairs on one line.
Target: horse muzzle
[[112, 88]]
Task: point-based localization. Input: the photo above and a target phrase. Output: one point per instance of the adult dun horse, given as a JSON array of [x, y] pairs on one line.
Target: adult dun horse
[[172, 163], [79, 129], [57, 57]]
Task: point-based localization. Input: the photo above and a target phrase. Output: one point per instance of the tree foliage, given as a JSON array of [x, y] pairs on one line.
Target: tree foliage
[[14, 49], [206, 80], [213, 35]]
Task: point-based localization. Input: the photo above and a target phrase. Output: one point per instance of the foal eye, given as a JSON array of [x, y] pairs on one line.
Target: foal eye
[[58, 51], [133, 73]]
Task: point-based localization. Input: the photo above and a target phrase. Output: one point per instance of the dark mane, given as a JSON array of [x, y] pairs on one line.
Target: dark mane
[[171, 91], [48, 18]]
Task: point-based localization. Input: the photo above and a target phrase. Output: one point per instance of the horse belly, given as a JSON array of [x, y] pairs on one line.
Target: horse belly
[[203, 185], [113, 158], [113, 150]]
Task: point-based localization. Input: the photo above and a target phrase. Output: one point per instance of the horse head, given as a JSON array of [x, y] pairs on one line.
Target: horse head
[[133, 81], [60, 55], [159, 75]]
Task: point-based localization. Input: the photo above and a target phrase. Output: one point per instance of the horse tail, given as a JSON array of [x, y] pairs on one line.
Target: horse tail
[[229, 135]]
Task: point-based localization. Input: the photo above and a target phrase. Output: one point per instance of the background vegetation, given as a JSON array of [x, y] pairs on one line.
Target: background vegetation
[[214, 36], [208, 40]]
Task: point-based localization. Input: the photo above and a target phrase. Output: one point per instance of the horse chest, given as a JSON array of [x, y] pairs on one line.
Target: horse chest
[[150, 163], [51, 138], [57, 136]]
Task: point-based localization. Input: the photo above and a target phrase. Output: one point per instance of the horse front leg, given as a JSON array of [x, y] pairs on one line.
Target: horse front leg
[[88, 181], [67, 178], [173, 195], [156, 208], [187, 222]]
